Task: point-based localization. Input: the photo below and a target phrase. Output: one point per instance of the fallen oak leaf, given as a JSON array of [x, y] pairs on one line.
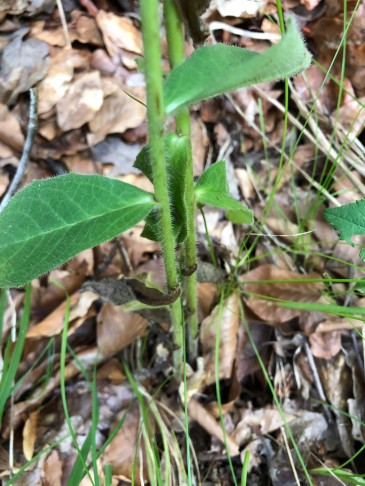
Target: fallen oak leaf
[[274, 283]]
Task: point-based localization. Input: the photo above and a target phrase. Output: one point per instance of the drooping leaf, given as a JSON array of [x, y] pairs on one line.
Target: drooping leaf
[[216, 69], [52, 220], [212, 190], [349, 220], [176, 160]]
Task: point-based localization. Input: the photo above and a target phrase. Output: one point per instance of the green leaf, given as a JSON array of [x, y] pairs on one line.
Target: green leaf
[[349, 220], [212, 190], [176, 159], [52, 220], [217, 69]]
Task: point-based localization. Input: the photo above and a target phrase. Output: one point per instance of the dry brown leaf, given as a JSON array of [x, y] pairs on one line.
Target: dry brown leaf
[[53, 470], [49, 129], [118, 113], [245, 183], [103, 63], [23, 64], [55, 85], [123, 453], [4, 182], [117, 329], [258, 422], [89, 358], [81, 102], [53, 37], [52, 325], [115, 152], [336, 380], [352, 116], [119, 33], [207, 298], [227, 319], [339, 324], [86, 28], [111, 372], [81, 163], [200, 143], [10, 131], [17, 7], [46, 299], [209, 423], [246, 361], [140, 251], [325, 345], [30, 435], [268, 310]]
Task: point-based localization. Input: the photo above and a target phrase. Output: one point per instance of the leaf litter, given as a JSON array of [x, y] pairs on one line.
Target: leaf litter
[[89, 123]]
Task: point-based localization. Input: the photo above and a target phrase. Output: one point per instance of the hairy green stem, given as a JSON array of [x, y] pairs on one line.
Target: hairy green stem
[[149, 10], [175, 44]]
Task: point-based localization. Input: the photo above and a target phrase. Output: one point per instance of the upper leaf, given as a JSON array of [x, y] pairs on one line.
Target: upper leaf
[[176, 160], [52, 220], [217, 69], [349, 220], [212, 189]]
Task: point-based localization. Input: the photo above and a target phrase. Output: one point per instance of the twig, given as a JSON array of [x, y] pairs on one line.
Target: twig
[[64, 24], [317, 381], [32, 129], [215, 25]]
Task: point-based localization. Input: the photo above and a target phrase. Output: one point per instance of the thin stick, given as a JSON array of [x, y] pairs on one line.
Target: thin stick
[[64, 24], [32, 130], [317, 380]]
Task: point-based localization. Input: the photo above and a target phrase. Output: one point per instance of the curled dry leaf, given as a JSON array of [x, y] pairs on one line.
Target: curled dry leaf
[[294, 290], [117, 329], [119, 33], [30, 435], [86, 28], [52, 325], [225, 318], [81, 102]]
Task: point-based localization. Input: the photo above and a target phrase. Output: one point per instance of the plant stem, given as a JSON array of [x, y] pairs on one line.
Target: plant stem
[[149, 10], [175, 43]]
